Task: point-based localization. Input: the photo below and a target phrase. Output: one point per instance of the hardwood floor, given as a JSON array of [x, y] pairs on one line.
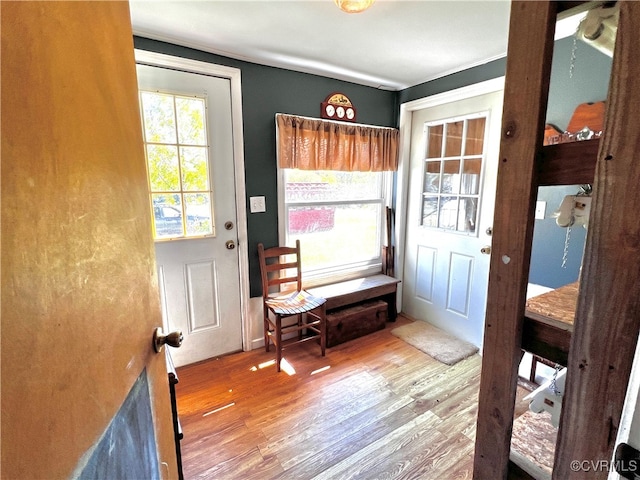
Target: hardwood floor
[[374, 407]]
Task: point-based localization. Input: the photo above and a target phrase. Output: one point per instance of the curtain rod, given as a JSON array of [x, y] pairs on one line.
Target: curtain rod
[[336, 121]]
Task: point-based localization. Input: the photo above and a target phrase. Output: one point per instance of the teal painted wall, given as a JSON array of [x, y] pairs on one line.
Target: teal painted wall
[[588, 83], [267, 91], [461, 79]]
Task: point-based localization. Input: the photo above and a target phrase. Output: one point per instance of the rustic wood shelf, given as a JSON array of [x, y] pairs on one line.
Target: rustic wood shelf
[[548, 323], [568, 163]]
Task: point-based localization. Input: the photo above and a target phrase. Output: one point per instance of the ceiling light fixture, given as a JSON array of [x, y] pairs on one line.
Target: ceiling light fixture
[[353, 6]]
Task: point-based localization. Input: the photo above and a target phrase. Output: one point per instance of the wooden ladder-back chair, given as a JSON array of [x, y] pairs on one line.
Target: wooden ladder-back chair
[[284, 298]]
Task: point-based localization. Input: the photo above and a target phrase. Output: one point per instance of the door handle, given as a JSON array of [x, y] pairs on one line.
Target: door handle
[[627, 461], [173, 339], [230, 245], [486, 250]]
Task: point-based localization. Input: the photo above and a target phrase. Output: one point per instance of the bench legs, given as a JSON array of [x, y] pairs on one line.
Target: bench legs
[[392, 311]]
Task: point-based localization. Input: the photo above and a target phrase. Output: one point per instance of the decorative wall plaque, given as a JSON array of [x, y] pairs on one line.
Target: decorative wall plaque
[[338, 107]]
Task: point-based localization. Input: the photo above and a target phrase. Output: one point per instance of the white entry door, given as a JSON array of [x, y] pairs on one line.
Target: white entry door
[[187, 126], [452, 182]]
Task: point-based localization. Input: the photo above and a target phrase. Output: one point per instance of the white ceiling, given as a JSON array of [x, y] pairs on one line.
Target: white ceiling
[[393, 45]]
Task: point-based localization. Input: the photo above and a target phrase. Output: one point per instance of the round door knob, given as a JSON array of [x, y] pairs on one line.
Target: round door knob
[[486, 250], [230, 245], [173, 339]]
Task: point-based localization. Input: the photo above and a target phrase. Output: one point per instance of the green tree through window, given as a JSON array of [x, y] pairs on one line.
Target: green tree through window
[[177, 153]]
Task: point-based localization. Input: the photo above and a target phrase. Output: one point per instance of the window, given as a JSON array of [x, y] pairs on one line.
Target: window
[[452, 173], [338, 217], [175, 139], [334, 179]]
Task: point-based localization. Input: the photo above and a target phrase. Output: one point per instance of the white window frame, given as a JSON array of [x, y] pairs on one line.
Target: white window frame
[[482, 157], [323, 277], [181, 192]]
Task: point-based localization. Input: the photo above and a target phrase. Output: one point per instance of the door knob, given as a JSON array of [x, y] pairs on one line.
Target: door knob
[[486, 250], [626, 461], [230, 245], [173, 339]]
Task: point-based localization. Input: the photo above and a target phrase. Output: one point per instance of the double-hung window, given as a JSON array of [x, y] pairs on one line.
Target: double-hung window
[[337, 213]]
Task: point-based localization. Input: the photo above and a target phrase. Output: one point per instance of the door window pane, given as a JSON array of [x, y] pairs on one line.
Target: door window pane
[[194, 168], [451, 176], [430, 211], [434, 141], [167, 215], [432, 177], [178, 164], [451, 190], [470, 181], [447, 217], [190, 113], [474, 144], [159, 117], [198, 207], [467, 215], [164, 171], [453, 145]]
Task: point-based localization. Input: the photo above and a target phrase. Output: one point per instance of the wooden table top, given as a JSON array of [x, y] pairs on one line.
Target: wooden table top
[[557, 307]]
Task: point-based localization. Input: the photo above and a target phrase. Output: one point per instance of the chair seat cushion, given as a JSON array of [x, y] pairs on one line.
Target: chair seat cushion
[[293, 303]]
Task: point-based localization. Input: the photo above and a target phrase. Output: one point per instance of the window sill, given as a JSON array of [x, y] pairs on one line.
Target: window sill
[[325, 278]]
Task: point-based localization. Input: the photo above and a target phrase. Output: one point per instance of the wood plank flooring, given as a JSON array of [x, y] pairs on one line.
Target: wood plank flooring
[[373, 408]]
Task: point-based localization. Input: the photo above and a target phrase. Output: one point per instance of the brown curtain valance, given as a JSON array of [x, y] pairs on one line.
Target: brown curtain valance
[[314, 144]]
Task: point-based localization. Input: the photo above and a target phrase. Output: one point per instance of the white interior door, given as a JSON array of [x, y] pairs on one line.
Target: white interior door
[[187, 123], [451, 197]]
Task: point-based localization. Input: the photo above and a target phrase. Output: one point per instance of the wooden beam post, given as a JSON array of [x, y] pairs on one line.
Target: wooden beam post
[[608, 314], [531, 31]]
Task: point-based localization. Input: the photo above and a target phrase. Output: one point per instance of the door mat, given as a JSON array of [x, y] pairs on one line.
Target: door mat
[[434, 342]]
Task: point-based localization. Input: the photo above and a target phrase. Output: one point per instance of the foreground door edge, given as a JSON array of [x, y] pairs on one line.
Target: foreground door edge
[[79, 297]]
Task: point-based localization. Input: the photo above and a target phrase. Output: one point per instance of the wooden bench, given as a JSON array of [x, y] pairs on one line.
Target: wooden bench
[[359, 290], [358, 307]]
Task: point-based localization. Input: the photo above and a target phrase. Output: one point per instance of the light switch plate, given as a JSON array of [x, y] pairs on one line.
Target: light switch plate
[[257, 204], [541, 208]]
